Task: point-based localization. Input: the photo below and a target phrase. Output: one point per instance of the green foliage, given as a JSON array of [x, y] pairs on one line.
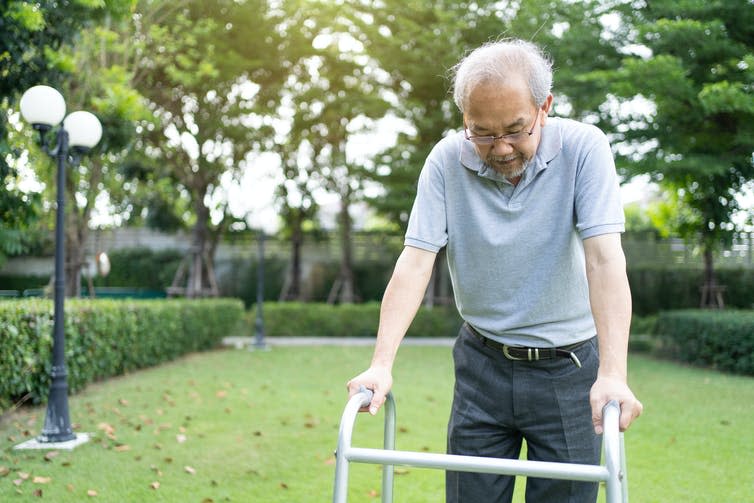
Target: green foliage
[[142, 268], [655, 289], [723, 340], [104, 338], [350, 320], [697, 140]]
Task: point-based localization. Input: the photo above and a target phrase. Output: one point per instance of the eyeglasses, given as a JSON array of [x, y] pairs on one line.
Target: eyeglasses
[[510, 139]]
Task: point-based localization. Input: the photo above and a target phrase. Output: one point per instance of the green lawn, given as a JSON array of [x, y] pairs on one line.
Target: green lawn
[[261, 427]]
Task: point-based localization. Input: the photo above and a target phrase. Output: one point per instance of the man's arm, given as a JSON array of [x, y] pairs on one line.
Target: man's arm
[[403, 296], [610, 298]]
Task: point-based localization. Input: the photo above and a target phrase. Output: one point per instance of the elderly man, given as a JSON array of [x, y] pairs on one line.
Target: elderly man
[[528, 209]]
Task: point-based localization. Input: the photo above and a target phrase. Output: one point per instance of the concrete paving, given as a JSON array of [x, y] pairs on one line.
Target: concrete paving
[[243, 342]]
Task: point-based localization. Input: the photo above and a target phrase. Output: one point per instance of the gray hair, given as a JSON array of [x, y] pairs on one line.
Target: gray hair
[[497, 62]]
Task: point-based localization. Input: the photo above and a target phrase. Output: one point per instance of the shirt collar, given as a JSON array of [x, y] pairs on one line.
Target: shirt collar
[[549, 147]]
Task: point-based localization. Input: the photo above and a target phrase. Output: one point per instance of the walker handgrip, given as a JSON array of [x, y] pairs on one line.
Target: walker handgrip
[[368, 394]]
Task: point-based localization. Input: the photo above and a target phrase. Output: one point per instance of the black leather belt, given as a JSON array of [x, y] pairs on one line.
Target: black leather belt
[[519, 353]]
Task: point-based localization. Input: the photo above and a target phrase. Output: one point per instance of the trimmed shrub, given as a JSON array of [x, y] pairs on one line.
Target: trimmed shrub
[[141, 268], [722, 340], [350, 320], [104, 338], [655, 289]]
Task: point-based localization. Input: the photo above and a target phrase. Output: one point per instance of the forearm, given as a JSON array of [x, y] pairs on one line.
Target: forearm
[[610, 299], [401, 301]]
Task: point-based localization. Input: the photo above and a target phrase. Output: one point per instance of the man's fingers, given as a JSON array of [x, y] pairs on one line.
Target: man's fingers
[[377, 400], [597, 420], [629, 412]]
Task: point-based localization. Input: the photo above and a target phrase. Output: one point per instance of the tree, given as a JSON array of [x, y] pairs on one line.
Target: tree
[[209, 79], [33, 36], [695, 67]]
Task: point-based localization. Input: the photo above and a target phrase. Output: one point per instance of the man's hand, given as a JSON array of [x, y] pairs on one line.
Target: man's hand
[[613, 388], [377, 379]]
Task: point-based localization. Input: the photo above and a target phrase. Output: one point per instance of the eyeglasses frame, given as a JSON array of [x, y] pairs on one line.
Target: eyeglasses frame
[[487, 140]]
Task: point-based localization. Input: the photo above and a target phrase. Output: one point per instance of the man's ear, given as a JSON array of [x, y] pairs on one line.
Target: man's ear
[[546, 106]]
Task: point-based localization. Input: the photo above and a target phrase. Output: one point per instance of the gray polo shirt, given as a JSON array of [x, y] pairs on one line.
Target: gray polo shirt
[[515, 254]]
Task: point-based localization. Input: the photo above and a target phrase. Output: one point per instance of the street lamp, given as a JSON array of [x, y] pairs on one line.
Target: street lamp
[[44, 108]]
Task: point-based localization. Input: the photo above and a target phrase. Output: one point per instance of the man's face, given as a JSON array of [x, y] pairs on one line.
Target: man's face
[[497, 110]]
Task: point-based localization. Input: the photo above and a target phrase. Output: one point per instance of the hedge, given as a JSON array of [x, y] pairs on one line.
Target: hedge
[[349, 320], [655, 289], [104, 338], [722, 340]]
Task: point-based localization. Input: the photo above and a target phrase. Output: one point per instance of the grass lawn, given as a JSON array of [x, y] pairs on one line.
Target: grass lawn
[[261, 427]]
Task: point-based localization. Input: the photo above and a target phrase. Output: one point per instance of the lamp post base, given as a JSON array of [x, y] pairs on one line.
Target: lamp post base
[[68, 445]]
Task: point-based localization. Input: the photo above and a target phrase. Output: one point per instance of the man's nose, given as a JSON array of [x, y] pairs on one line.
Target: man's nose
[[501, 147]]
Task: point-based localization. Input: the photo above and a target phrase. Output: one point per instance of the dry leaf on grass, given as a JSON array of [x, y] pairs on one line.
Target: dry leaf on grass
[[41, 480], [155, 485], [91, 493], [189, 470], [50, 455]]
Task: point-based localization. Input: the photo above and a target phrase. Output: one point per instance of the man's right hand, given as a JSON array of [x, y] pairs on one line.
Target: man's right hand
[[377, 379]]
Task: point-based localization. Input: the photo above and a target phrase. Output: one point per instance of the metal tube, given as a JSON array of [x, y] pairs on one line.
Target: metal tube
[[345, 436], [611, 443], [542, 469], [57, 426], [389, 444]]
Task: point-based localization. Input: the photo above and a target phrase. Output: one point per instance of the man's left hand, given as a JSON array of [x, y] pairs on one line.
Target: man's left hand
[[613, 388]]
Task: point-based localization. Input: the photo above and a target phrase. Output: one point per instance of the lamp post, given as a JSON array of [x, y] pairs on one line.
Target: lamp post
[[44, 108]]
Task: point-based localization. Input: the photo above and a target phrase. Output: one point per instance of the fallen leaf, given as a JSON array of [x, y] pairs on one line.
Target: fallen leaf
[[208, 500], [4, 470], [155, 485], [69, 487], [18, 482], [41, 480], [23, 475], [122, 448], [180, 438], [37, 493], [373, 493], [401, 471], [283, 485], [330, 461], [50, 455], [221, 394], [91, 492], [190, 470], [123, 402], [168, 460]]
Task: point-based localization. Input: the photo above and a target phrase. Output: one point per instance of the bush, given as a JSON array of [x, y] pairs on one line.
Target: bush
[[350, 320], [142, 268], [655, 289], [104, 338], [722, 340]]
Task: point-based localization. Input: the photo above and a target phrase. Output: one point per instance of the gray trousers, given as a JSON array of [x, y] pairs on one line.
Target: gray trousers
[[498, 403]]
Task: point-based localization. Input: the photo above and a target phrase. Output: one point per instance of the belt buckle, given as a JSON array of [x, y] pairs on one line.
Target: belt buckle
[[515, 358]]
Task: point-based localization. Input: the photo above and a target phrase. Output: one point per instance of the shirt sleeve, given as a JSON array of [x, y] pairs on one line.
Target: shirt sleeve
[[427, 225], [597, 205]]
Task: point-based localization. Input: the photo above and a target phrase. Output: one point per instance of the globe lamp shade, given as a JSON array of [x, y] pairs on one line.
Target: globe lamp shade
[[43, 105], [84, 129]]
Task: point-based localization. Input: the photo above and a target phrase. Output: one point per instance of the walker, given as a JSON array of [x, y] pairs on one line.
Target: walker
[[613, 473]]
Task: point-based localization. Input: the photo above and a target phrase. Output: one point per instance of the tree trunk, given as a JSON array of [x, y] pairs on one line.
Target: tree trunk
[[297, 242], [345, 281], [201, 279], [712, 293]]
